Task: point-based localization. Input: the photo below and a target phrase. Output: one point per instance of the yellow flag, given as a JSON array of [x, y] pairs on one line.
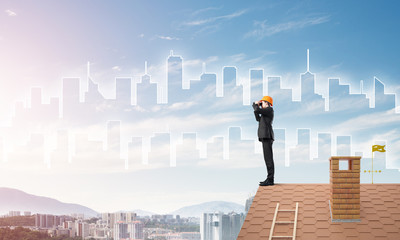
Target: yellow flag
[[379, 148]]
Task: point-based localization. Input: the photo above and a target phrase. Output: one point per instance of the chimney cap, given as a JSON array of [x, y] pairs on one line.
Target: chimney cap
[[345, 157]]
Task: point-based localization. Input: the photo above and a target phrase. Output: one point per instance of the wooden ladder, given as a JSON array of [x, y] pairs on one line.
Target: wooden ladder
[[284, 222]]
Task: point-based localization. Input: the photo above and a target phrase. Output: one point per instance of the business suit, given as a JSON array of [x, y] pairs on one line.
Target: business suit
[[265, 116]]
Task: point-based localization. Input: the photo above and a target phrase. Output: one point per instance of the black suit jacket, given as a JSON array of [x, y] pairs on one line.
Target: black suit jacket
[[264, 116]]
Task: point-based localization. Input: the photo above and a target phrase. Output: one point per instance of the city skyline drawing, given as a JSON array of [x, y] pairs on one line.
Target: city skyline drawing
[[65, 111]]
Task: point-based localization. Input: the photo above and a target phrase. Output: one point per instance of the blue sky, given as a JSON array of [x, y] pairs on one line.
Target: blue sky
[[41, 43]]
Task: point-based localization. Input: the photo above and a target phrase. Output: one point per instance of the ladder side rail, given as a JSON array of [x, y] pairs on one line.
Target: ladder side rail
[[295, 221], [273, 221]]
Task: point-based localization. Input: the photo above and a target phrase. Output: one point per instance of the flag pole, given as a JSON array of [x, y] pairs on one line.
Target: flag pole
[[372, 166]]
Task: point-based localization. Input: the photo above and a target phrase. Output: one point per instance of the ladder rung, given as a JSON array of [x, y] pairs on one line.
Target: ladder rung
[[282, 236], [286, 210], [283, 222]]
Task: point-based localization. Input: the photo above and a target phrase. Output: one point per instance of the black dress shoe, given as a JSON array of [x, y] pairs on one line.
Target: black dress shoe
[[264, 181], [267, 183]]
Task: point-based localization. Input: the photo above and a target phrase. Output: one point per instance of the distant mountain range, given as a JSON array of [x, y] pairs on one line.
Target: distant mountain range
[[209, 207], [16, 200]]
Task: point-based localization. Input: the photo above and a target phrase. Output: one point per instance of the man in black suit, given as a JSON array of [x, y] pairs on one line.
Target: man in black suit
[[264, 114]]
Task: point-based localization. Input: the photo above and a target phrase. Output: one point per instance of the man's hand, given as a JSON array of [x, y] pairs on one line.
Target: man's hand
[[257, 102]]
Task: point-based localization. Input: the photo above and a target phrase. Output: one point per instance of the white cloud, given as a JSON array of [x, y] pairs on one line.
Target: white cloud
[[265, 30], [197, 12], [139, 108], [356, 104], [192, 62], [207, 29], [309, 108], [207, 25], [116, 68], [243, 58], [212, 59], [299, 153], [103, 107], [167, 38], [238, 57], [241, 156], [194, 122], [181, 105], [201, 22], [10, 13], [141, 35], [254, 60], [198, 62], [156, 108], [368, 121]]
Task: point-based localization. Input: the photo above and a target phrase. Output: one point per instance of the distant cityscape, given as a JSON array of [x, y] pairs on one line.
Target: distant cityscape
[[128, 226]]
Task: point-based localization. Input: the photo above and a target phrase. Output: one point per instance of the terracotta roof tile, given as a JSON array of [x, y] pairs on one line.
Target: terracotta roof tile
[[259, 214], [322, 217], [309, 220], [370, 211], [264, 233], [321, 204], [275, 199], [366, 236], [310, 236], [353, 238], [321, 210], [392, 235], [367, 204], [396, 216], [376, 224], [335, 228], [308, 228], [309, 207], [322, 233], [379, 233], [251, 236], [308, 215], [257, 221], [390, 229], [391, 205], [379, 212], [322, 225], [384, 214], [339, 235], [323, 238], [299, 225], [351, 232], [364, 229], [254, 228]]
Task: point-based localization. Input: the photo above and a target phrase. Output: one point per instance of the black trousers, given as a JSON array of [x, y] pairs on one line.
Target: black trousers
[[268, 157]]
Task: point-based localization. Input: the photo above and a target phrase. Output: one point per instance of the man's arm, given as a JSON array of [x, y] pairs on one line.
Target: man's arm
[[264, 111], [255, 106]]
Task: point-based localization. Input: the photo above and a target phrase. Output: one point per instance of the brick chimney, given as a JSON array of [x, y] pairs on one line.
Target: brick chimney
[[344, 200]]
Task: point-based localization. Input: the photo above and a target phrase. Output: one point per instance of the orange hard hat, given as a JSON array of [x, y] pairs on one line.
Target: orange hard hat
[[267, 99]]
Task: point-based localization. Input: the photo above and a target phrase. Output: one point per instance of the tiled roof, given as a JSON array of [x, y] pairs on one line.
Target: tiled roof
[[379, 212]]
